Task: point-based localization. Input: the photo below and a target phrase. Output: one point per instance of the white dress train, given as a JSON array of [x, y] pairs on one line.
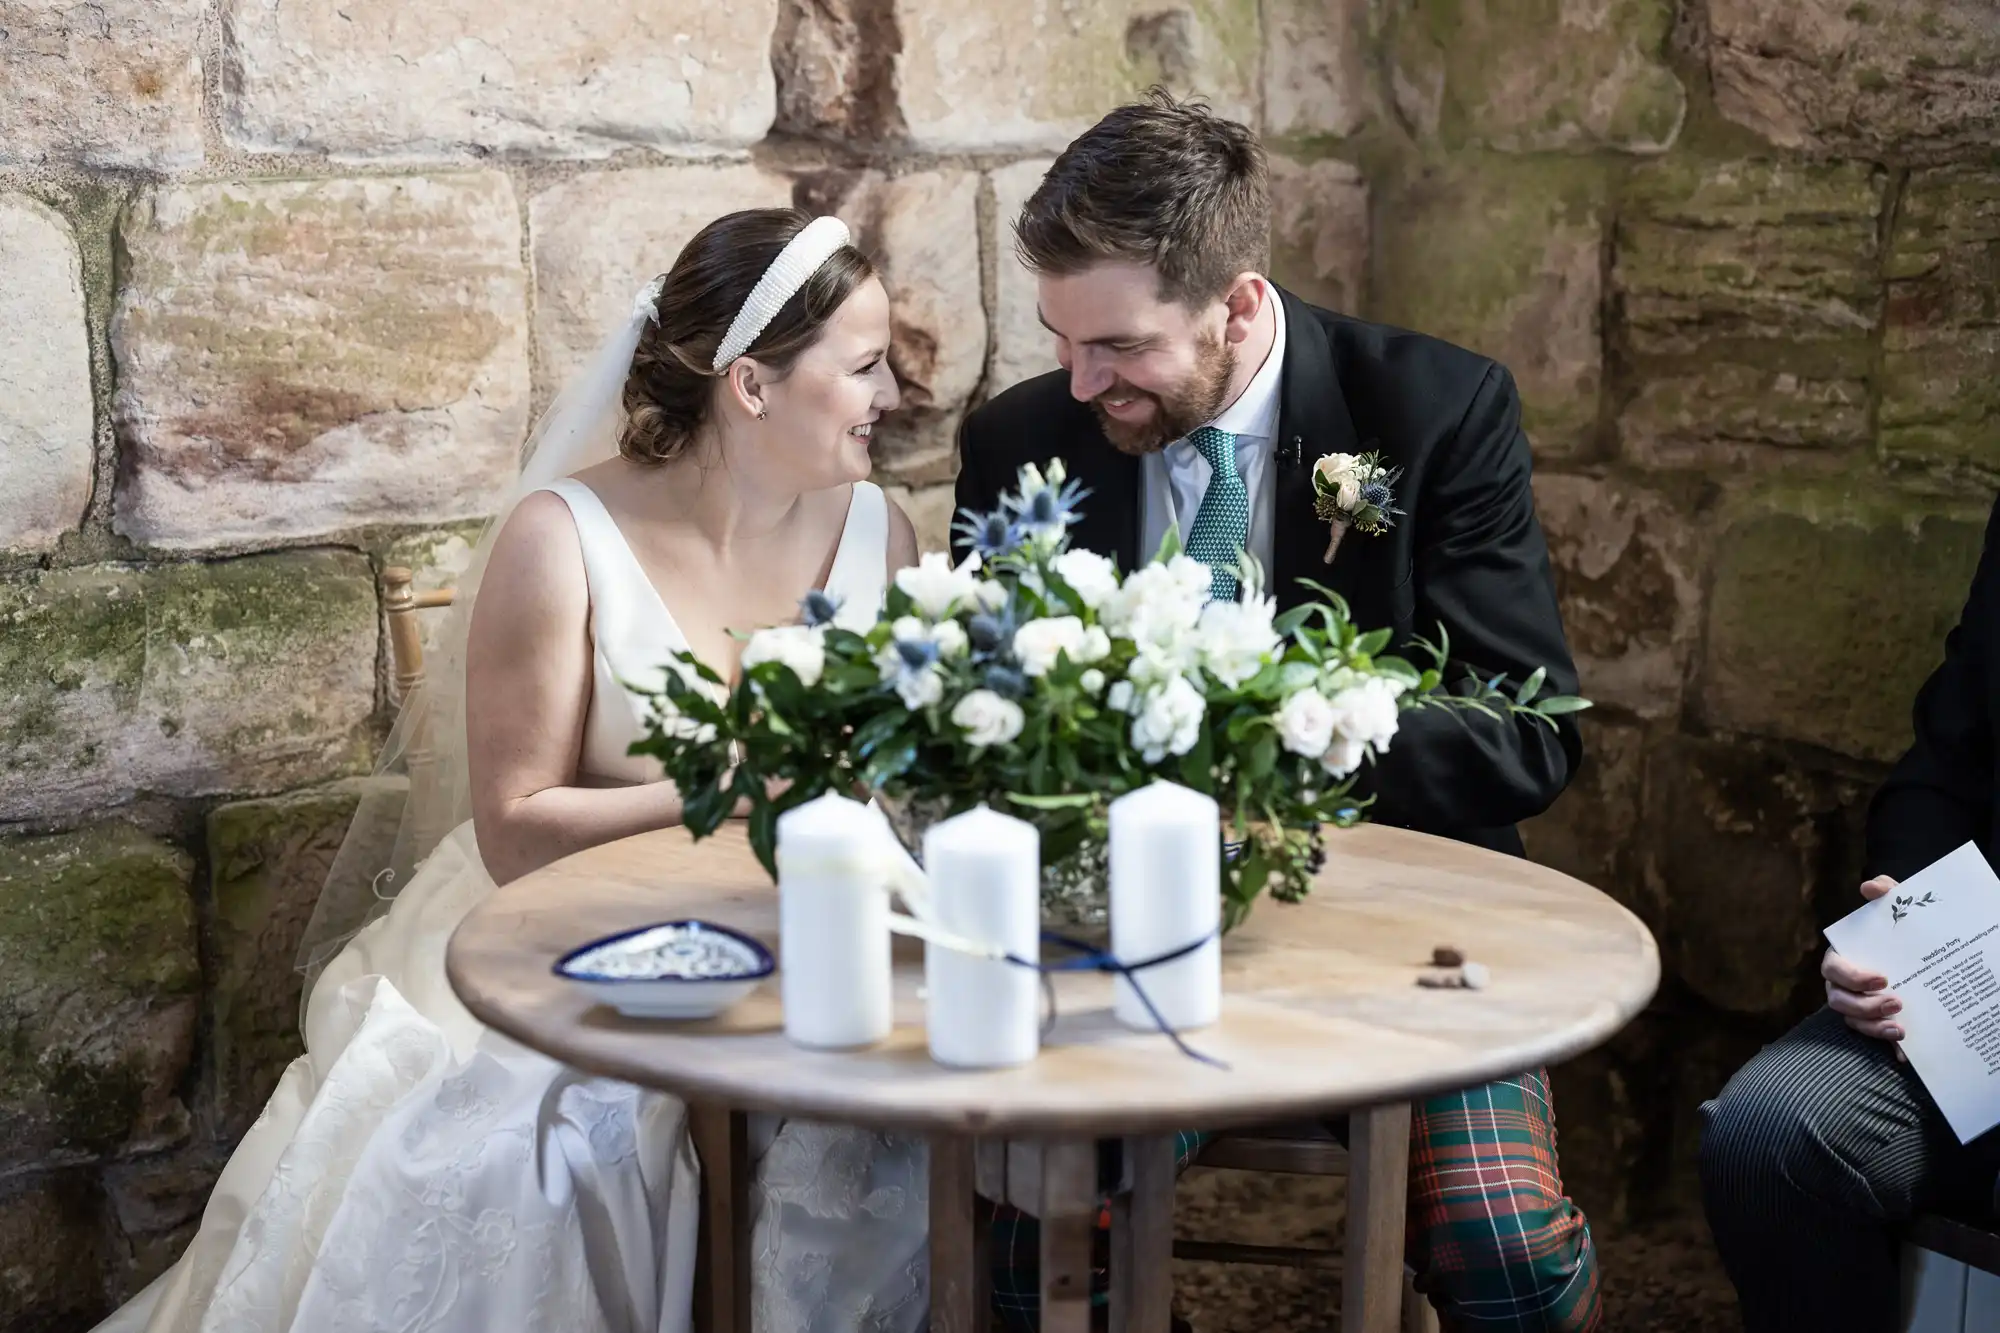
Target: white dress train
[[415, 1172]]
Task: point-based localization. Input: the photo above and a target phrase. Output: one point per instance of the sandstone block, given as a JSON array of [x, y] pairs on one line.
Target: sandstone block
[[836, 72], [923, 231], [1524, 76], [989, 76], [1503, 258], [47, 421], [1941, 343], [1319, 232], [1592, 831], [932, 511], [186, 679], [1022, 348], [98, 991], [268, 860], [115, 83], [1628, 572], [1748, 294], [51, 1230], [599, 239], [1827, 611], [1738, 842], [1895, 77], [299, 357], [462, 78], [1316, 68]]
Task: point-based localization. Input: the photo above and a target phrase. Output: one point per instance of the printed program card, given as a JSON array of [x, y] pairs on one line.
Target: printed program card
[[1937, 939]]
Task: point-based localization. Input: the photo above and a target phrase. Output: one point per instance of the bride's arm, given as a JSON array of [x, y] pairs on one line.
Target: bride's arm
[[527, 693]]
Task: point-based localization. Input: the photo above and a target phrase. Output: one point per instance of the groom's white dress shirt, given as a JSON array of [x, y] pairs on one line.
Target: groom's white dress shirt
[[1173, 481]]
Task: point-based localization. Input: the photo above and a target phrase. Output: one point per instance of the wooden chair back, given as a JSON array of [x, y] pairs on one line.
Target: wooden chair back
[[400, 605]]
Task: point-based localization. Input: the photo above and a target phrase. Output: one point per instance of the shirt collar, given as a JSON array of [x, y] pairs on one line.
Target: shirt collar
[[1254, 414]]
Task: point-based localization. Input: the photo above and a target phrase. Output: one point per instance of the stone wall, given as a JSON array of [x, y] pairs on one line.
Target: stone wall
[[281, 288]]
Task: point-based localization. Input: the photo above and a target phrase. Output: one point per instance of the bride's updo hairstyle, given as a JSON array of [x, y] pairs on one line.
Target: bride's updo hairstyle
[[670, 393]]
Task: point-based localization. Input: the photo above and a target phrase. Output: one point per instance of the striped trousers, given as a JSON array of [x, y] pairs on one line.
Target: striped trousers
[[1810, 1157], [1496, 1244]]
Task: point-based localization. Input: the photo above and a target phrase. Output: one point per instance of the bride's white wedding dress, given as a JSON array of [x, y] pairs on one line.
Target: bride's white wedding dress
[[416, 1171]]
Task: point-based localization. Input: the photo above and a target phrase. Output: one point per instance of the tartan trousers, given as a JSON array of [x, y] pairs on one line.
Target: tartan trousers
[[1496, 1244]]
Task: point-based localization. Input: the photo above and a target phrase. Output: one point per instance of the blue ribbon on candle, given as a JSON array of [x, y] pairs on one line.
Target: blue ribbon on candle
[[1093, 959]]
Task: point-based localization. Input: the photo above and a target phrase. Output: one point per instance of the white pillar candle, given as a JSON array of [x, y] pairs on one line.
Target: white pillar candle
[[1166, 892], [985, 874], [833, 925]]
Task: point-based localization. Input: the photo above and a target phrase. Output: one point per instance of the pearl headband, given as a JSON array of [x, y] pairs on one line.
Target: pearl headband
[[802, 257]]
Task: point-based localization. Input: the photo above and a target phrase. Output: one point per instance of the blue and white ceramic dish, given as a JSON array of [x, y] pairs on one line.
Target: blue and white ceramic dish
[[676, 969]]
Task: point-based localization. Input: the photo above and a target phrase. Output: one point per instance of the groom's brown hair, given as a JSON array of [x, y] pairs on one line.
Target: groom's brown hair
[[1162, 182]]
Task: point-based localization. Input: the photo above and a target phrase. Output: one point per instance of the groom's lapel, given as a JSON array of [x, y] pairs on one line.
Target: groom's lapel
[[1313, 420]]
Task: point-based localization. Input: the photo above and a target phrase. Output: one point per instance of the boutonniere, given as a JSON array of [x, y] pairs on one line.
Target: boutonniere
[[1354, 491]]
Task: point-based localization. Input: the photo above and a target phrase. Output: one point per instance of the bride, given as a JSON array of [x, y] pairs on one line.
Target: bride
[[415, 1171]]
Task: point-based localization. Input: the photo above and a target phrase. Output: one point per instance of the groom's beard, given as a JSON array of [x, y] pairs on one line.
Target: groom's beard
[[1194, 403]]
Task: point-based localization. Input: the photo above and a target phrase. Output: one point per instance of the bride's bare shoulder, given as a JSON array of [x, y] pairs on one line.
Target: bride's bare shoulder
[[902, 539], [536, 556]]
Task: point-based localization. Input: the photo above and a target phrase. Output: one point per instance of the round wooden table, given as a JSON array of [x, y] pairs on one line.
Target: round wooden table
[[1321, 1014]]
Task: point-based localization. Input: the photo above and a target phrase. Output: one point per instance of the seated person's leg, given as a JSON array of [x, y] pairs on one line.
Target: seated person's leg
[[1015, 1245], [1496, 1243], [1809, 1157]]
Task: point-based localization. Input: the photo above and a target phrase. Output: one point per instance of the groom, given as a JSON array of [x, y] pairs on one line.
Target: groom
[[1195, 396]]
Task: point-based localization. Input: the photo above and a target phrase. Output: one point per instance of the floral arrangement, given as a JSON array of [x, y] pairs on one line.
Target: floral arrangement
[[1034, 678]]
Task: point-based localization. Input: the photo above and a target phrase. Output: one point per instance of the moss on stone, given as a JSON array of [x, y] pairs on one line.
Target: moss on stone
[[256, 672], [1502, 256], [98, 971], [1829, 606], [1524, 76], [268, 861]]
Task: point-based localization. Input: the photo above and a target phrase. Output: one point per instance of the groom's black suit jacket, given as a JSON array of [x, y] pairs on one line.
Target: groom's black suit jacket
[[1468, 555]]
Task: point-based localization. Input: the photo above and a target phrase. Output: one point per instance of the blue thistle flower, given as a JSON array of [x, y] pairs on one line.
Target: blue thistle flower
[[1377, 493], [1006, 681], [1048, 511], [991, 632], [916, 654], [991, 535], [818, 607]]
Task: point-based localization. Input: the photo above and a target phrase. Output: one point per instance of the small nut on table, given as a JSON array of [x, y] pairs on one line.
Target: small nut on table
[[1466, 976], [1446, 956]]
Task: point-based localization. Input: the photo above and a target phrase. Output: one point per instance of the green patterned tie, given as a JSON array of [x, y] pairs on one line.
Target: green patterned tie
[[1222, 524]]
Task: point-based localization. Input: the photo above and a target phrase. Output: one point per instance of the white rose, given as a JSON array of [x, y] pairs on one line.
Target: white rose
[[1350, 493], [1305, 724], [1237, 638], [1367, 714], [949, 636], [990, 596], [935, 586], [800, 648], [1170, 721], [1120, 698], [1333, 467], [909, 627], [1093, 577], [1160, 602], [987, 719], [1092, 681], [1096, 646], [1342, 757], [1038, 643]]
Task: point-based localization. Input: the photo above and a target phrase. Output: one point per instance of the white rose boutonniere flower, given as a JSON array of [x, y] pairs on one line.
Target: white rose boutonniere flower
[[1354, 491]]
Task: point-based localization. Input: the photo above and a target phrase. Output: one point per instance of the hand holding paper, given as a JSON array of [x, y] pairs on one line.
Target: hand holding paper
[[1935, 938], [1860, 994]]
